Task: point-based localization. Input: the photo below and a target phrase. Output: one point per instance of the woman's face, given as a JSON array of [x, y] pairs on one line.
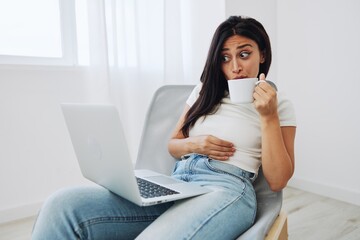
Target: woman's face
[[241, 58]]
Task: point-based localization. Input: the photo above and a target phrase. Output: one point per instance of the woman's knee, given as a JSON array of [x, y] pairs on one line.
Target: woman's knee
[[60, 202], [73, 204], [58, 215]]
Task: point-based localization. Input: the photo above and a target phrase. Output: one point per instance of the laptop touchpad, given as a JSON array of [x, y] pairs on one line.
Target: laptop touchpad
[[162, 180]]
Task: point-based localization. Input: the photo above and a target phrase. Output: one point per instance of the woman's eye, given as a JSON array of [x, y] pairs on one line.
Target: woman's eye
[[244, 54], [225, 58]]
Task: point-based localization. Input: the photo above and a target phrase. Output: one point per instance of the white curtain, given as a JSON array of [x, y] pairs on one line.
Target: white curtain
[[136, 46]]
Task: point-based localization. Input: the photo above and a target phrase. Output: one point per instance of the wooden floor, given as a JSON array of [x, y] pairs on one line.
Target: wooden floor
[[310, 217], [17, 230], [313, 217]]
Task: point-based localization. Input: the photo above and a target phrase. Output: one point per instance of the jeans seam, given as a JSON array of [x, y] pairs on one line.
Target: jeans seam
[[217, 212], [241, 178], [99, 220], [255, 212]]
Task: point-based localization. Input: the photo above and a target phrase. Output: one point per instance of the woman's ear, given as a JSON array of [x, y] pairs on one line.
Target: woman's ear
[[262, 57]]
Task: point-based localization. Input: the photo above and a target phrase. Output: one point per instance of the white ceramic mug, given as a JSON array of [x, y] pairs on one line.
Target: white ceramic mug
[[241, 90]]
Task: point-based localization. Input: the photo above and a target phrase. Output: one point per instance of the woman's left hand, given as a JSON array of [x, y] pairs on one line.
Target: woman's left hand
[[265, 99]]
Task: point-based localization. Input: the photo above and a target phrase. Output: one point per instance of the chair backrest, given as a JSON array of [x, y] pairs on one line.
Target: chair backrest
[[165, 109]]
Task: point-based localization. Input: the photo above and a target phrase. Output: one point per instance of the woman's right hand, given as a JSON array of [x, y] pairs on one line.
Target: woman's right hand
[[213, 147]]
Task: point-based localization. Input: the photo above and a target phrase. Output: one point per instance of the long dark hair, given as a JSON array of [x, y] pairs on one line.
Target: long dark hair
[[214, 84]]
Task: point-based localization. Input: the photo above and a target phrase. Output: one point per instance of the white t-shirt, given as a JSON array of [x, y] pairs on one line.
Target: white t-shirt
[[239, 124]]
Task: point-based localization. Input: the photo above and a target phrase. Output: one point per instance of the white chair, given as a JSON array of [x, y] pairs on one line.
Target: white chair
[[165, 109]]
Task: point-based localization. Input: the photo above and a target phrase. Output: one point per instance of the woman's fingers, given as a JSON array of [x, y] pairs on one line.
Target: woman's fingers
[[262, 76], [216, 148], [265, 98]]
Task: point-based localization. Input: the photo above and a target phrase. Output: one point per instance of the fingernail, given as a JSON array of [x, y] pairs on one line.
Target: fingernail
[[260, 81]]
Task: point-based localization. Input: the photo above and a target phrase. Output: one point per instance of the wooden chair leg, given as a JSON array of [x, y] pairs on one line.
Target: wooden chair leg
[[279, 230]]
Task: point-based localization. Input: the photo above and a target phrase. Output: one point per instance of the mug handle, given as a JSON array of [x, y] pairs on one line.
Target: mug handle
[[269, 82]]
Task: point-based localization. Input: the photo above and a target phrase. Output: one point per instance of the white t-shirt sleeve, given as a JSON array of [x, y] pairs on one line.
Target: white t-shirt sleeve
[[286, 111]]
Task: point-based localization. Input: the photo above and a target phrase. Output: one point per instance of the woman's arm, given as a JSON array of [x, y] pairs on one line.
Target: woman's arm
[[208, 145], [277, 153], [277, 142]]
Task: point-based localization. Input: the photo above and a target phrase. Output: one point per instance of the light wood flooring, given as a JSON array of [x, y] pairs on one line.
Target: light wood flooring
[[313, 217], [310, 217]]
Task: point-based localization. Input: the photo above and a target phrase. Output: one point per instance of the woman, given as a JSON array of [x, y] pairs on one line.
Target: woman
[[222, 146]]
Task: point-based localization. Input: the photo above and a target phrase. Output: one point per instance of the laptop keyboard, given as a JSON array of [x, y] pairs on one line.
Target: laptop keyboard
[[150, 190]]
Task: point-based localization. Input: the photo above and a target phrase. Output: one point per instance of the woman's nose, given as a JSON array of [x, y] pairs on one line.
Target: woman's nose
[[236, 67]]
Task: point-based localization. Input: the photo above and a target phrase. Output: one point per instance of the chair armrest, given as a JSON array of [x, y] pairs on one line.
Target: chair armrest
[[278, 230]]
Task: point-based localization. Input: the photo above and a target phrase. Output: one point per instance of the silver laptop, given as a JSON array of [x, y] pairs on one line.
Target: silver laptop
[[99, 142]]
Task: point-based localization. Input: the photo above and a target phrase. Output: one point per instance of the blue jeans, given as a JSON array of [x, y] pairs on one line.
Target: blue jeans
[[96, 213]]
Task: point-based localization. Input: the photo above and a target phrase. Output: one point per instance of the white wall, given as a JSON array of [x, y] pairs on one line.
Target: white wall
[[36, 155], [318, 54]]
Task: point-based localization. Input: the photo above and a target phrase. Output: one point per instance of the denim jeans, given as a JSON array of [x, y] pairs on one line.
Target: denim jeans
[[96, 213]]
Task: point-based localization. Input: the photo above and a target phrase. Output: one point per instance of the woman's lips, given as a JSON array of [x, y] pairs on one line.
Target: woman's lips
[[239, 77]]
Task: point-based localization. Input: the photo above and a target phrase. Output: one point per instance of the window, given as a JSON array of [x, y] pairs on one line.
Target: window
[[39, 32]]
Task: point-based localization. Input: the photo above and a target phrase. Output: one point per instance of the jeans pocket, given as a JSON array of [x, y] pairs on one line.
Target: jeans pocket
[[222, 170]]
